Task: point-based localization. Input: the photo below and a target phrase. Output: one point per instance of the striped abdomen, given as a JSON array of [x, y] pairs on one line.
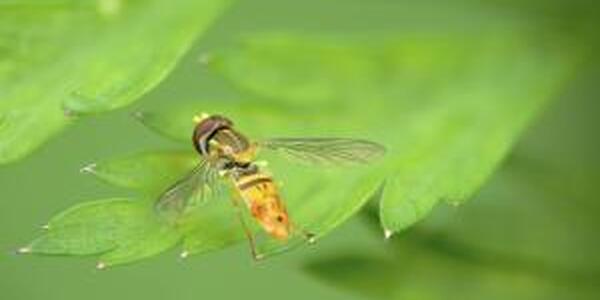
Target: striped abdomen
[[261, 196]]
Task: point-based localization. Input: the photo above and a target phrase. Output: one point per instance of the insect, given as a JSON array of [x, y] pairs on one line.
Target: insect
[[228, 155]]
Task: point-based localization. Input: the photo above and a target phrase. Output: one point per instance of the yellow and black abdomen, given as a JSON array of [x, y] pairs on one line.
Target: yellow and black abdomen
[[256, 189], [262, 198]]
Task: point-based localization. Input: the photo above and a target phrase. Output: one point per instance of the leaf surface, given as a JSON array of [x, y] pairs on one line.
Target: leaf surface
[[61, 59], [447, 111], [120, 230], [529, 234]]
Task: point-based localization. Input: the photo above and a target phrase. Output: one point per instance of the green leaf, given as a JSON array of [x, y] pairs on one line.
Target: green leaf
[[215, 225], [120, 230], [529, 234], [212, 227], [64, 58], [318, 199], [96, 227], [447, 111], [449, 108], [149, 173]]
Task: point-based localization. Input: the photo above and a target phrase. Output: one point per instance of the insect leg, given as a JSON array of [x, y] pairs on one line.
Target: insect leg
[[307, 235], [236, 204]]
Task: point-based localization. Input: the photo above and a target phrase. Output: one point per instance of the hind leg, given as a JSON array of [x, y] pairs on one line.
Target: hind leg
[[246, 228]]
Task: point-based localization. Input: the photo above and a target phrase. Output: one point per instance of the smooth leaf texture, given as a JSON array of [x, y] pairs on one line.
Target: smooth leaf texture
[[151, 173], [516, 240], [318, 199], [442, 142], [125, 230], [211, 227], [60, 59], [215, 225], [121, 230], [148, 173], [530, 233]]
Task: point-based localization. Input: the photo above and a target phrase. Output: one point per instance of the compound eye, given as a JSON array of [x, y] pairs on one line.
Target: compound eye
[[206, 129], [207, 126]]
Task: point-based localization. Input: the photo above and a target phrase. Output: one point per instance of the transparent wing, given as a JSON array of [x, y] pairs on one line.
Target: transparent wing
[[196, 188], [326, 151]]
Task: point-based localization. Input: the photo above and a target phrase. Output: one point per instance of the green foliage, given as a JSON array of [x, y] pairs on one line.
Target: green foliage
[[442, 142], [62, 59], [212, 227], [120, 230], [147, 173], [529, 234]]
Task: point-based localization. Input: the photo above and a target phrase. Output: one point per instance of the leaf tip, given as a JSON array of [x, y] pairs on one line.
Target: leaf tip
[[184, 254], [387, 234], [101, 265], [138, 115], [24, 250], [45, 227], [455, 203], [310, 237], [89, 169]]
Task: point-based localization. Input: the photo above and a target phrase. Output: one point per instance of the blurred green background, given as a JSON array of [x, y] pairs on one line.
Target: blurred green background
[[531, 233]]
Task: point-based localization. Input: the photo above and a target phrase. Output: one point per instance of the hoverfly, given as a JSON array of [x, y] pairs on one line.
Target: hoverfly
[[226, 154]]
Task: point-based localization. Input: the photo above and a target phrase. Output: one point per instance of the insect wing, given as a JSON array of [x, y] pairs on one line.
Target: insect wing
[[326, 151], [195, 189]]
